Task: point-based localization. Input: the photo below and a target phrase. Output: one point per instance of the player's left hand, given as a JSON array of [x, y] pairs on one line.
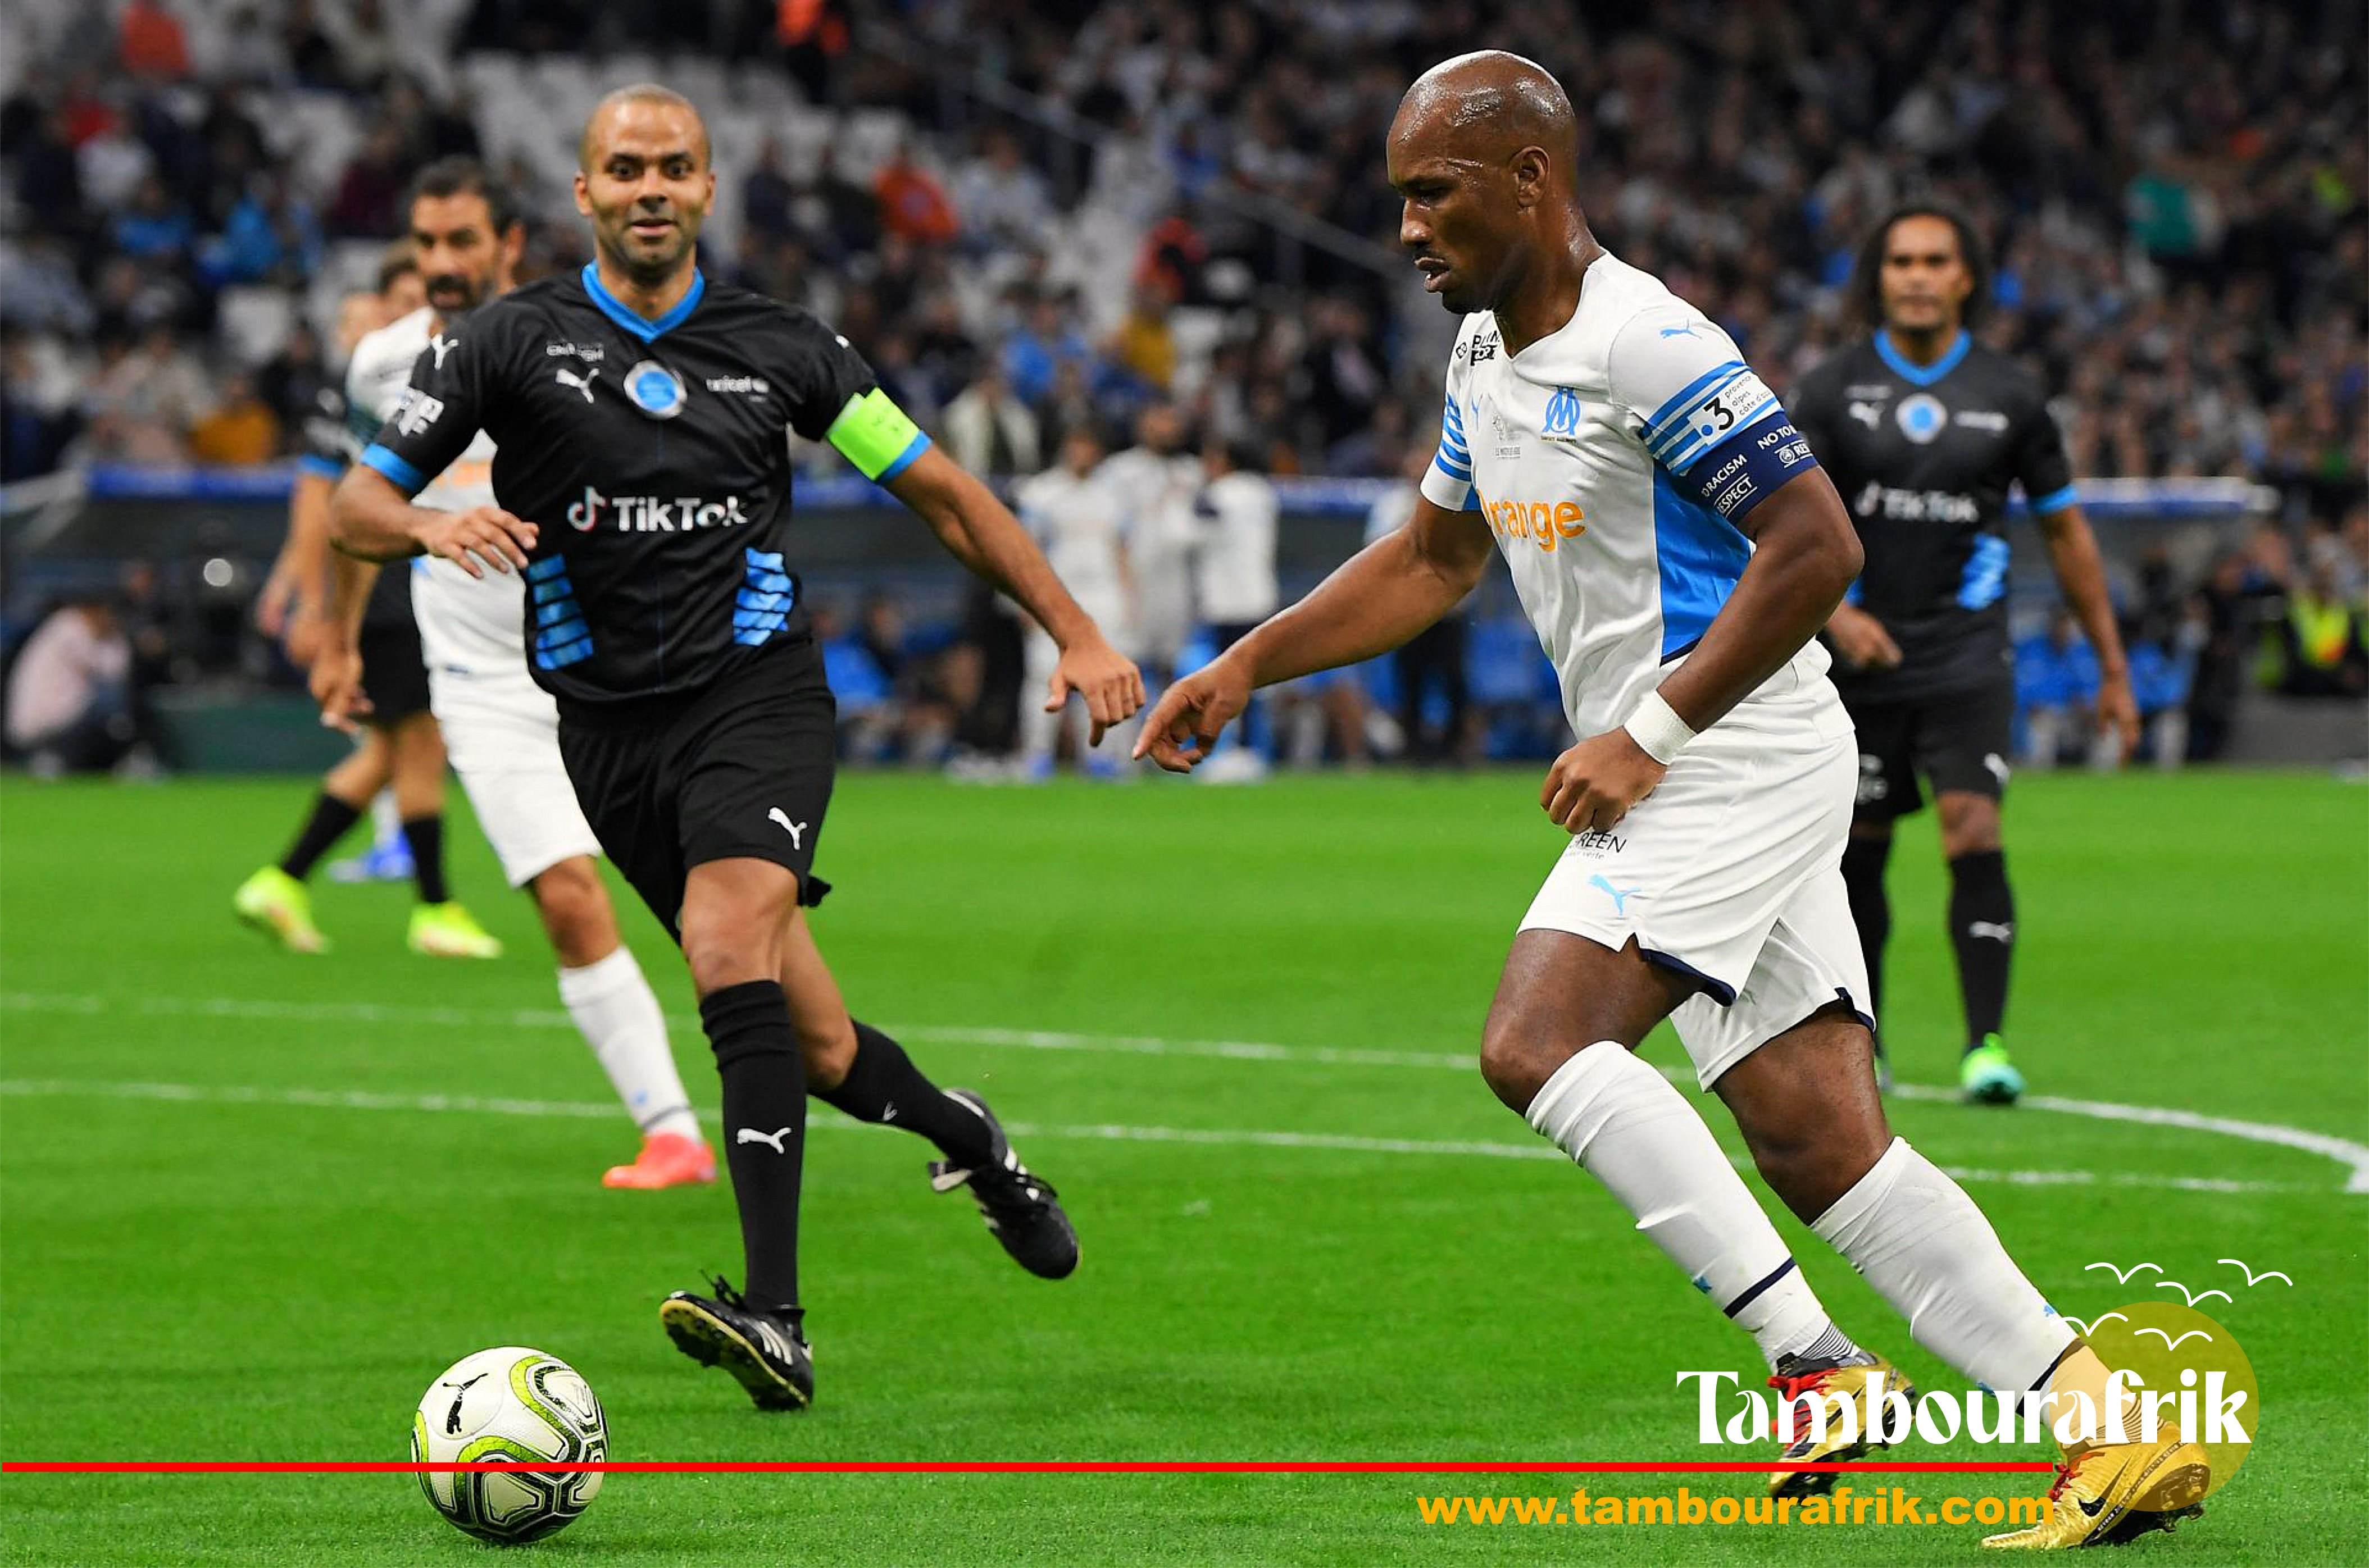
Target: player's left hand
[[1595, 783], [2118, 713], [1105, 678], [336, 685]]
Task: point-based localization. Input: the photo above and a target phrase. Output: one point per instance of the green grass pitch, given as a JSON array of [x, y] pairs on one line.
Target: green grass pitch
[[344, 1173]]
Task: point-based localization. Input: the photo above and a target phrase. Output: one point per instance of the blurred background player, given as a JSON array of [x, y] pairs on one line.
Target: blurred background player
[[1155, 481], [1234, 580], [1924, 431], [1074, 514], [294, 604], [401, 750], [501, 729]]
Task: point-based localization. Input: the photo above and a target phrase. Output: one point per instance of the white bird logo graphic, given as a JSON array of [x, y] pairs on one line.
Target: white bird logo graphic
[[2176, 1285], [2091, 1327], [2252, 1277], [777, 1137], [2123, 1276], [2171, 1344]]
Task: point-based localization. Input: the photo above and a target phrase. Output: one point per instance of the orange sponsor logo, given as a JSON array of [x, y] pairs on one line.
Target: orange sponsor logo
[[1543, 524]]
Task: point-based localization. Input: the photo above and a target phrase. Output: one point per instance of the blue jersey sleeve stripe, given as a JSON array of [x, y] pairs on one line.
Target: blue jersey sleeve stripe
[[404, 477], [1455, 450], [2056, 500], [1445, 465], [1687, 453], [913, 449], [320, 467], [1670, 422], [1701, 385]]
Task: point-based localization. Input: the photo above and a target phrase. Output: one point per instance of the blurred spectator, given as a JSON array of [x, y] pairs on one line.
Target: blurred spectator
[[990, 431], [2056, 683], [371, 187], [239, 428], [766, 194], [1145, 344], [143, 399], [153, 47], [912, 204], [1003, 202], [2323, 638], [1047, 340], [70, 692], [1430, 664]]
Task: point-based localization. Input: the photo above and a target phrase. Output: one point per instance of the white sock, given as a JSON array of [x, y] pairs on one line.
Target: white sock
[[1622, 1120], [386, 823], [618, 1013], [1928, 1250]]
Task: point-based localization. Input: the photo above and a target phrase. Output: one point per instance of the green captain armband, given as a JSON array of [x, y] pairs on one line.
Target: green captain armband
[[874, 433]]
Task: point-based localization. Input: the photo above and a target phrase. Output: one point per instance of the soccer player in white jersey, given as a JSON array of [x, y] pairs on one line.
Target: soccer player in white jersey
[[1077, 517], [1676, 548], [501, 730]]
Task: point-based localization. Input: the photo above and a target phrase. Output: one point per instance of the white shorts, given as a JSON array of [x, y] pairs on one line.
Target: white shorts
[[503, 738], [1731, 870]]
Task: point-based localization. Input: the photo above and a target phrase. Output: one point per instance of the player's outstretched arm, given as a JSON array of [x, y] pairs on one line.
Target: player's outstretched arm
[[2081, 576], [1378, 598], [979, 531], [371, 519]]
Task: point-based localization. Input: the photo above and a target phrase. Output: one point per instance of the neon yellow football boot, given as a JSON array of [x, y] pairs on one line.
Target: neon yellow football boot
[[2117, 1492], [448, 931], [277, 904]]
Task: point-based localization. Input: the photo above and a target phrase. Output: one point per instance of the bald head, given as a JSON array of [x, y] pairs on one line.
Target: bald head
[[627, 104], [1490, 105]]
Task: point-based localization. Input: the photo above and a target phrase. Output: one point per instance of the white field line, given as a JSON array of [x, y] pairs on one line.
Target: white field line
[[473, 1105], [2354, 1156]]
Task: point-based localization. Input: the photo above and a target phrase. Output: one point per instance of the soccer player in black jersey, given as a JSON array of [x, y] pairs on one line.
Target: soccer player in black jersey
[[643, 482], [1924, 431]]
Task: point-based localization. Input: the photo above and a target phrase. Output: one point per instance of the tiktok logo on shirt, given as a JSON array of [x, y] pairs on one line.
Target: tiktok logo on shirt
[[654, 514]]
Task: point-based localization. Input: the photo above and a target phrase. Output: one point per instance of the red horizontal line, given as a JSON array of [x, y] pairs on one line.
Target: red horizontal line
[[991, 1466]]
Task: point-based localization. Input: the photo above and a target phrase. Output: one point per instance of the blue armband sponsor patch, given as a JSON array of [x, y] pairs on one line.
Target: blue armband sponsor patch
[[1748, 467]]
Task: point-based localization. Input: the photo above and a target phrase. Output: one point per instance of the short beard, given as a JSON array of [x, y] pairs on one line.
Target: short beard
[[645, 270]]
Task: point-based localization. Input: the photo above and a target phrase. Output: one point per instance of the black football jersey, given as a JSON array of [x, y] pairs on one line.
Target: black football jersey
[[653, 456], [331, 444], [1923, 456]]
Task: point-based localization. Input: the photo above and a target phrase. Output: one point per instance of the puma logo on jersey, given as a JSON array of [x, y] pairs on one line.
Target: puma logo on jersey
[[796, 830], [583, 384], [1997, 931], [778, 1138], [1867, 413], [441, 345]]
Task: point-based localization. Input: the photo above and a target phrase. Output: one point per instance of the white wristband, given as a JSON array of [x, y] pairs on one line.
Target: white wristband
[[1659, 733]]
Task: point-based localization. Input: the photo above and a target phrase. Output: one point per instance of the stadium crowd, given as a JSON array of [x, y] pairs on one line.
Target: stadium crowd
[[2173, 193]]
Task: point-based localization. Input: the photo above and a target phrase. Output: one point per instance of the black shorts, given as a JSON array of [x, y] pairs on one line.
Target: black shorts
[[394, 670], [1956, 740], [741, 770]]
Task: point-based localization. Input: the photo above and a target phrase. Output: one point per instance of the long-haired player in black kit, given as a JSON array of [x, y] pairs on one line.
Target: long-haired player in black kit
[[1923, 430], [643, 489]]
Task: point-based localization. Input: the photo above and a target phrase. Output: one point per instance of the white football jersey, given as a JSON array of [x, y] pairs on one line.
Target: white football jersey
[[469, 626], [1077, 523], [1606, 458]]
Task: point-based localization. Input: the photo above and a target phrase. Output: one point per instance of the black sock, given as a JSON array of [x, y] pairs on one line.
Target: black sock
[[1863, 862], [327, 825], [426, 836], [883, 1080], [764, 1130], [1982, 927]]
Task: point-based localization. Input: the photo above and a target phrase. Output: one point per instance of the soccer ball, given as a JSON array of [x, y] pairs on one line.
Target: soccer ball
[[510, 1403]]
